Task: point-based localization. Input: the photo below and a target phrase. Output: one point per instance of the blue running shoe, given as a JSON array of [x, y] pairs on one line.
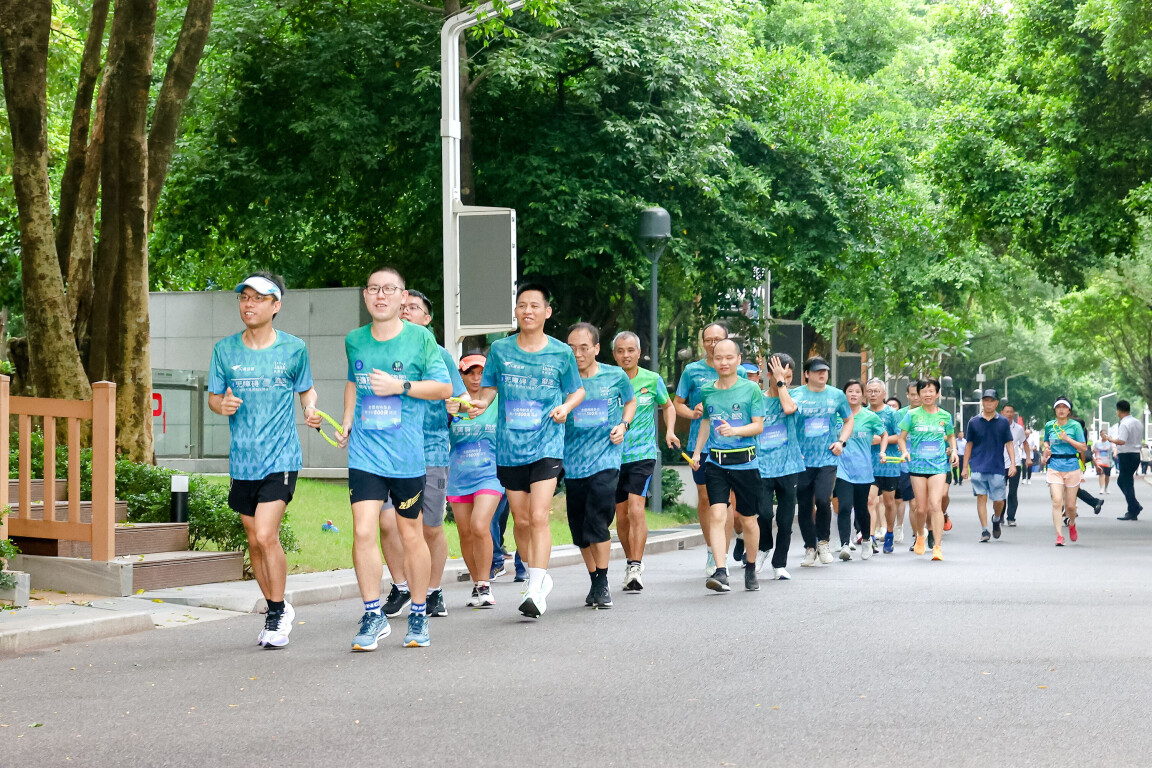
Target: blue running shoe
[[417, 636], [888, 542], [373, 626]]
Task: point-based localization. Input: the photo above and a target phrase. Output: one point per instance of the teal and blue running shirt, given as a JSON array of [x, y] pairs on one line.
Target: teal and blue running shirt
[[587, 447], [531, 385], [263, 439], [692, 381], [818, 423], [779, 452], [856, 459], [472, 465], [388, 432], [737, 405], [881, 468], [1065, 458], [436, 443]]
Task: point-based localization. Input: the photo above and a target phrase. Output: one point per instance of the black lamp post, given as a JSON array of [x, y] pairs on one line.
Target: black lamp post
[[655, 232]]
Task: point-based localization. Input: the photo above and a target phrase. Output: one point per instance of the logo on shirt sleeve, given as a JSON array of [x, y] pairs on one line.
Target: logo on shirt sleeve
[[359, 365]]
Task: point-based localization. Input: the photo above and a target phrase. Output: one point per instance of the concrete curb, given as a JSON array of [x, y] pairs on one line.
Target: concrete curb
[[41, 627]]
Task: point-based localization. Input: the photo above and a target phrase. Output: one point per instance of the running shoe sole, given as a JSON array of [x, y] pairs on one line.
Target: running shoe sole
[[529, 609], [716, 585]]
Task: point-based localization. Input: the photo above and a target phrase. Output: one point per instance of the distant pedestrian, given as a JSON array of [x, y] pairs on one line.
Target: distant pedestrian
[[990, 436], [1023, 455], [1129, 435], [1145, 458], [1102, 459]]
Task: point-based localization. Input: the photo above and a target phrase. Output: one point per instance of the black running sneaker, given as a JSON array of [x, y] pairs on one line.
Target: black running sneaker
[[436, 605], [738, 549], [397, 599], [751, 583], [603, 595], [718, 581]]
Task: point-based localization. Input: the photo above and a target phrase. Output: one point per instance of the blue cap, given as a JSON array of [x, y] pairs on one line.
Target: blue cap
[[261, 285], [750, 367]]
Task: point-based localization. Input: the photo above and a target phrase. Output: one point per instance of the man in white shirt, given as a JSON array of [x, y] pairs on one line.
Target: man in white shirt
[[1129, 435], [1023, 458]]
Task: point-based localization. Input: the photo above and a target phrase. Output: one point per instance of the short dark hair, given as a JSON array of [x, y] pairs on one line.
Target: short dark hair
[[716, 323], [899, 404], [850, 382], [925, 382], [387, 268], [1124, 405], [277, 280], [912, 385], [424, 299], [523, 288], [595, 333], [785, 359]]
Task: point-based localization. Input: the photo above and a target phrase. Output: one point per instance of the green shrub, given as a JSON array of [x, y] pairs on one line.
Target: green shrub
[[671, 486], [148, 493], [7, 550], [36, 456]]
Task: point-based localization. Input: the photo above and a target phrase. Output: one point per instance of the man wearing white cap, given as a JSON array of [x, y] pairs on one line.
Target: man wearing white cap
[[251, 381]]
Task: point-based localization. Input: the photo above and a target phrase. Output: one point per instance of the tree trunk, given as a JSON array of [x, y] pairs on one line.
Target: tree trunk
[[55, 366], [128, 355], [78, 154]]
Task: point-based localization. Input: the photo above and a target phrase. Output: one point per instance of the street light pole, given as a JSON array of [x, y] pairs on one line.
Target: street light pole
[[655, 232], [1006, 383]]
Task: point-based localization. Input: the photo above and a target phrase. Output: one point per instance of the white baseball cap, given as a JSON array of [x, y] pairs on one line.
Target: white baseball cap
[[262, 286]]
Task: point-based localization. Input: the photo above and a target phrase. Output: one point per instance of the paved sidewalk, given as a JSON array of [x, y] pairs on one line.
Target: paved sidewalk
[[57, 618]]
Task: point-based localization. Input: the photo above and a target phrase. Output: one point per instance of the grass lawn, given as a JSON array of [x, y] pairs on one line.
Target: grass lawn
[[317, 501]]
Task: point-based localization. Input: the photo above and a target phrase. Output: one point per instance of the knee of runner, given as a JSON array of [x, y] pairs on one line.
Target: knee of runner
[[268, 540]]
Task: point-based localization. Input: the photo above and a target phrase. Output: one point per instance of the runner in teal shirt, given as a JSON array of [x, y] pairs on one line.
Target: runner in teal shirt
[[781, 465], [640, 454], [928, 443]]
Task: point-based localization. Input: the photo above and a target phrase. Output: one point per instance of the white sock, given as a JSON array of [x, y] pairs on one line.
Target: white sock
[[536, 577], [432, 589]]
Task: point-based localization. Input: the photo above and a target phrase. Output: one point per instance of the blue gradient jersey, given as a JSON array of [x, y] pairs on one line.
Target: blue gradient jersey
[[436, 445], [737, 405], [531, 385], [856, 460], [472, 465], [640, 441], [927, 440], [818, 423], [1065, 457], [779, 450], [388, 432], [263, 431], [696, 375], [587, 447], [900, 417], [882, 469]]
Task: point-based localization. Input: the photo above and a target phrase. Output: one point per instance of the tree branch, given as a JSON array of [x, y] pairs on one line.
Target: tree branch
[[425, 6], [173, 93], [78, 155]]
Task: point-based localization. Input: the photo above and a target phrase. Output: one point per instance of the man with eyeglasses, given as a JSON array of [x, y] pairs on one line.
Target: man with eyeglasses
[[392, 367], [252, 379], [418, 310], [689, 405], [593, 451], [539, 386]]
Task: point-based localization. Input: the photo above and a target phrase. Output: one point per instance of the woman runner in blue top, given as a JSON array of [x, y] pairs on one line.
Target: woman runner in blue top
[[1062, 443]]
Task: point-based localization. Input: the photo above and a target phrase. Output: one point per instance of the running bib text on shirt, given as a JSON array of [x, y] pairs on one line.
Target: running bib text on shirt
[[816, 426], [524, 415], [775, 436], [378, 413], [590, 413]]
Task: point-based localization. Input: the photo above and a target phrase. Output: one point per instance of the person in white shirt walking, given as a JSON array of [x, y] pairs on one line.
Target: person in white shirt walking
[[1129, 435]]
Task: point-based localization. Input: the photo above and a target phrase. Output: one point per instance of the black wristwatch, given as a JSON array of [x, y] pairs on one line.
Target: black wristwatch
[[627, 425], [407, 387], [780, 385]]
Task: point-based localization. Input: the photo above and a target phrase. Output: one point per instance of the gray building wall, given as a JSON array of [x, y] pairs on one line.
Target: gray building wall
[[186, 325]]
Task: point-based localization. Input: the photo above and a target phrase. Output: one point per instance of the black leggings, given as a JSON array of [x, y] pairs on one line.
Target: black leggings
[[784, 491], [814, 504], [853, 496]]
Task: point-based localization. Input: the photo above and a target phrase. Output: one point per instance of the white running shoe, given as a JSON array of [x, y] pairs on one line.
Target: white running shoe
[[809, 558], [845, 553], [866, 549], [474, 600], [781, 574], [899, 537], [278, 638], [761, 559], [824, 552]]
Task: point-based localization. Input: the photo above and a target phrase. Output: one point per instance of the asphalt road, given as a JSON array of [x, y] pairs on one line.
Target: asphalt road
[[1013, 653]]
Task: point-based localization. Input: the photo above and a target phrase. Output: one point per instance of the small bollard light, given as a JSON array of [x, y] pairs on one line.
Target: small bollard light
[[179, 498]]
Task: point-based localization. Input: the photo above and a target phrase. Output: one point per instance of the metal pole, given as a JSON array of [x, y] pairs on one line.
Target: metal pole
[[835, 351], [450, 156], [654, 360], [1006, 383]]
